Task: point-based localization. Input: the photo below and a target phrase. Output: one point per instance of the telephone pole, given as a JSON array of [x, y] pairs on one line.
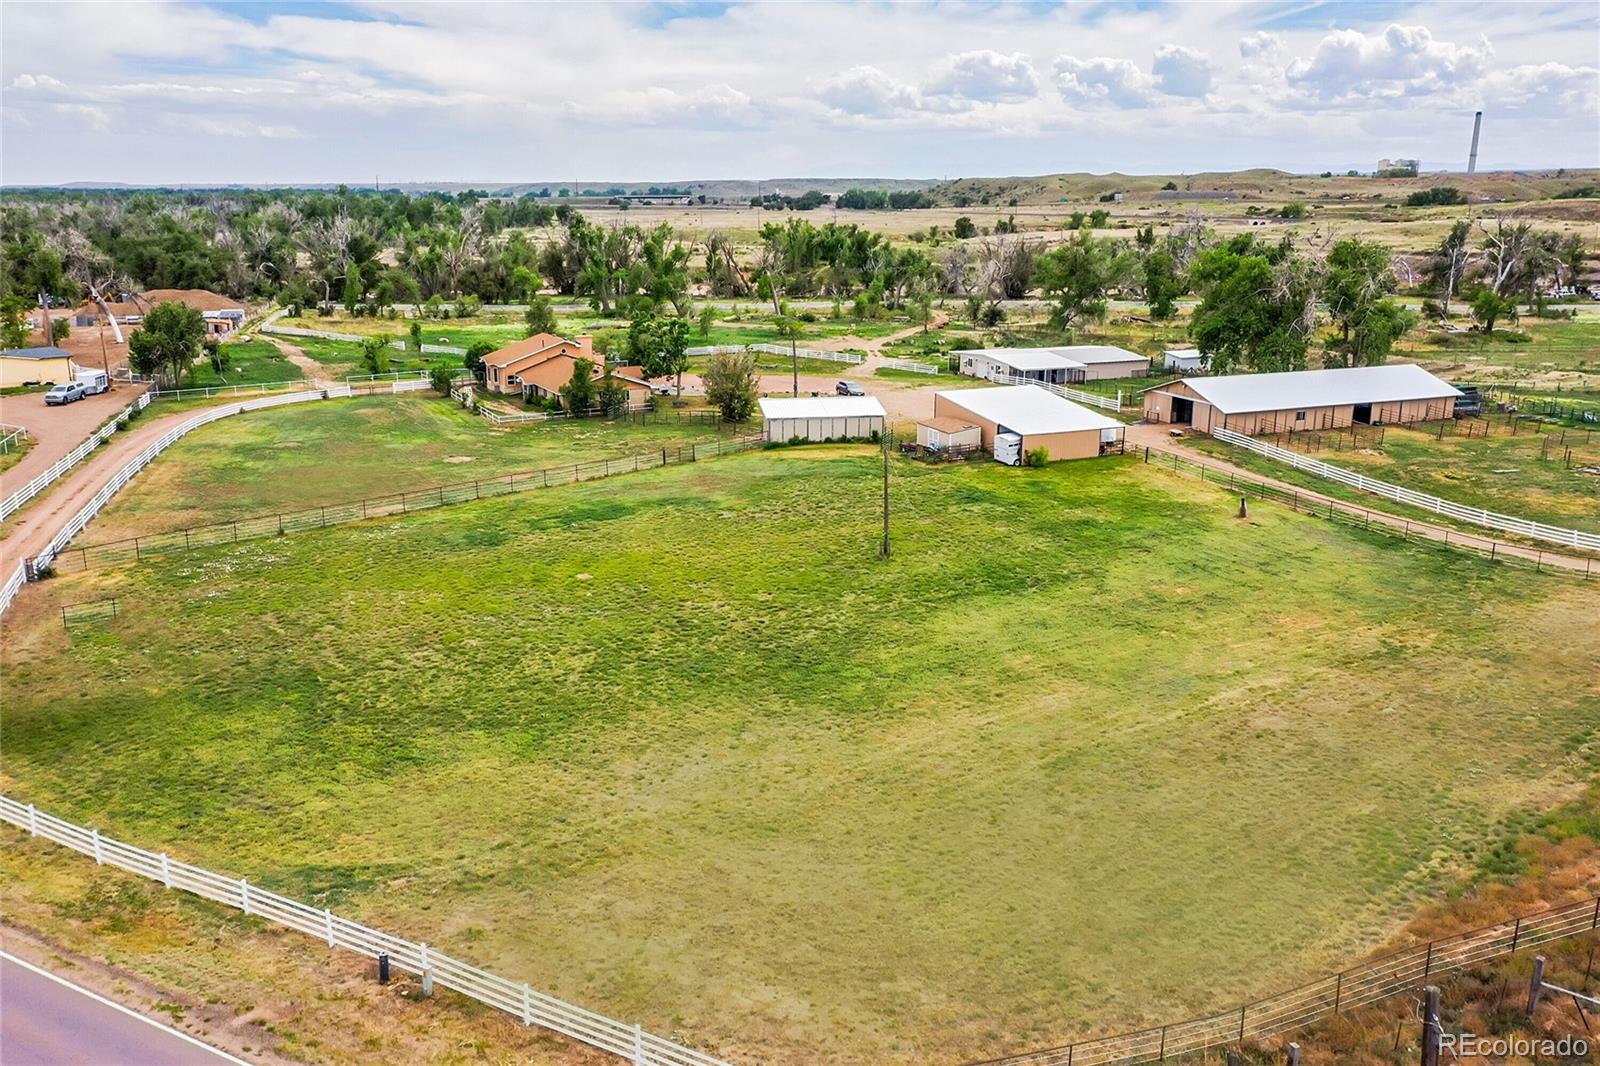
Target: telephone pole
[[888, 439]]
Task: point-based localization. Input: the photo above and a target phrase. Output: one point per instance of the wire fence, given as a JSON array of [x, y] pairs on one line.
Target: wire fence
[[137, 549], [1359, 986], [1571, 538], [89, 611], [1540, 560], [12, 503], [431, 965], [65, 534]]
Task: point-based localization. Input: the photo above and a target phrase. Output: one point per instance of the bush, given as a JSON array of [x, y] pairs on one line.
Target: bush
[[1037, 457], [1438, 196], [441, 378], [1292, 210]]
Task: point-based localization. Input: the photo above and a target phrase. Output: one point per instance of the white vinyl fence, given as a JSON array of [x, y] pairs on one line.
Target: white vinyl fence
[[1106, 403], [778, 349], [155, 448], [11, 437], [11, 503], [13, 585], [908, 364], [208, 391], [1572, 538], [514, 998]]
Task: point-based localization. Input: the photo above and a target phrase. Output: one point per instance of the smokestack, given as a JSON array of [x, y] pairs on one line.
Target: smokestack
[[1472, 158]]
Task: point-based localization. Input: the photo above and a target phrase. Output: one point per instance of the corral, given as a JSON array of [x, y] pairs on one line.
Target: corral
[[732, 757]]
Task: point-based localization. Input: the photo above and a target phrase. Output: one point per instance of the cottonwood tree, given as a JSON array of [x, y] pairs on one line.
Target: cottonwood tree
[[1257, 309], [1162, 285], [660, 347], [1511, 255], [1078, 274], [167, 341], [577, 395], [1449, 264], [1357, 282], [375, 354], [540, 317]]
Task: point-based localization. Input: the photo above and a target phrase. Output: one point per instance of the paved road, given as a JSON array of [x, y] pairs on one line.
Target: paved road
[[47, 1021]]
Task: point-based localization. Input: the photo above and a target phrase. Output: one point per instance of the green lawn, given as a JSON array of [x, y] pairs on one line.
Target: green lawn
[[322, 453], [250, 362], [1086, 750], [1501, 473], [1532, 344]]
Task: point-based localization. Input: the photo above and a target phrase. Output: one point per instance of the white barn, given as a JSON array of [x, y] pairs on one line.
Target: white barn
[[1065, 365], [820, 418]]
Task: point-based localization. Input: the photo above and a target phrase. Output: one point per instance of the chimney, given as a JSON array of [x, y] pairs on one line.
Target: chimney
[[585, 343], [1472, 158]]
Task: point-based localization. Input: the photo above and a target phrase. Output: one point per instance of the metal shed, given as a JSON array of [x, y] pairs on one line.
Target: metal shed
[[821, 418]]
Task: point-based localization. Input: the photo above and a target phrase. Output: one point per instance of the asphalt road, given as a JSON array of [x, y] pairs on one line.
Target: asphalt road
[[47, 1021]]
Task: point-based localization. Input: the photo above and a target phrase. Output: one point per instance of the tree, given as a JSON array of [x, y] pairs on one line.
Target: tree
[[416, 337], [1439, 195], [168, 341], [216, 354], [1077, 275], [375, 354], [1358, 282], [660, 346], [473, 360], [730, 381], [965, 228], [1295, 209], [60, 329], [1488, 307], [1449, 263], [707, 317], [443, 379], [540, 316], [1162, 286], [578, 393], [352, 289], [14, 321], [1257, 308], [612, 395]]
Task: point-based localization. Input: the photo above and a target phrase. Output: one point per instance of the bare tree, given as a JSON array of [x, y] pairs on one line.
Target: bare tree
[[1510, 254], [93, 270]]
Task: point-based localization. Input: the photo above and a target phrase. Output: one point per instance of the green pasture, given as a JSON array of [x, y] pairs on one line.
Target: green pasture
[[1087, 750]]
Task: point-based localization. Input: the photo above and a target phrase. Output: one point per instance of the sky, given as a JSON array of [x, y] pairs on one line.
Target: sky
[[394, 92]]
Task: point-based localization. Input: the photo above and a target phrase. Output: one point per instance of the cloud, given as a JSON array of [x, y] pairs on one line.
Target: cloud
[[1349, 65], [986, 76], [1553, 87], [1102, 81], [1181, 71], [1258, 44], [34, 81], [867, 91]]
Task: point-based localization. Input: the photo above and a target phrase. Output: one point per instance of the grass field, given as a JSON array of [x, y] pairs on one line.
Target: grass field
[[678, 746], [1501, 473], [318, 454], [250, 362]]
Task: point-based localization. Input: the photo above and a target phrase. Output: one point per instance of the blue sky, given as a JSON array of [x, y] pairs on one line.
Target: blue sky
[[396, 92]]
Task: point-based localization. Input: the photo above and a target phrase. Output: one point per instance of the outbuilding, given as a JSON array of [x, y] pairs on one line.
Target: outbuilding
[[1303, 399], [952, 435], [1064, 365], [1183, 360], [1014, 420], [821, 418], [36, 366]]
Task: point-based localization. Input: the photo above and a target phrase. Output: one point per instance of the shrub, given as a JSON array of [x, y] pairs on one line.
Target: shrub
[[441, 378], [1438, 196], [1292, 210], [1037, 457]]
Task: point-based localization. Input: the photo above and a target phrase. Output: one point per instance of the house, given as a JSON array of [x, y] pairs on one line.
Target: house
[[1065, 365], [1183, 360], [36, 366], [949, 435], [1014, 420], [1303, 399], [538, 365], [222, 314], [821, 418]]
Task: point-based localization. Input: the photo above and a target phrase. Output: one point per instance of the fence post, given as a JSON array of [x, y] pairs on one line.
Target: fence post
[[327, 924], [33, 820], [166, 870], [1516, 934], [1294, 1054], [638, 1046], [1338, 989], [527, 1005], [1241, 1025], [1427, 964], [1430, 1026], [244, 894], [99, 856], [427, 972], [1536, 984]]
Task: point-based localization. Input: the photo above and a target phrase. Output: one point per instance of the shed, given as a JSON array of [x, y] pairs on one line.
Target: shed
[[1183, 360], [1016, 419], [1303, 399], [949, 435], [821, 418], [35, 366], [1065, 365]]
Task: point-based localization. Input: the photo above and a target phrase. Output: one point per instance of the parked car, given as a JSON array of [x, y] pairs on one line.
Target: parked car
[[850, 388], [60, 394]]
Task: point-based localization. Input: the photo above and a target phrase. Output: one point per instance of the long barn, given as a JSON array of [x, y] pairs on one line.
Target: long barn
[[1303, 399]]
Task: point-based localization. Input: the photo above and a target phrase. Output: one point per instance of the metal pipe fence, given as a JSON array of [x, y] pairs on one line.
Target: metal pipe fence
[[1375, 521], [12, 503], [137, 549], [1572, 538], [1359, 986], [510, 997]]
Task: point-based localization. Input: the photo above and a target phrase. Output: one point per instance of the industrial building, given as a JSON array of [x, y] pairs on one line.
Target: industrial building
[[1016, 419], [1303, 399], [1066, 365], [821, 418]]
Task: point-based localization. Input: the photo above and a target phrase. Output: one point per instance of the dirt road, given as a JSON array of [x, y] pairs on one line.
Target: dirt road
[[309, 367], [1142, 435], [55, 431]]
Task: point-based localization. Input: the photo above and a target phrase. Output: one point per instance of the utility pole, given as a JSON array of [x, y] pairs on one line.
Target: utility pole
[[888, 441]]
